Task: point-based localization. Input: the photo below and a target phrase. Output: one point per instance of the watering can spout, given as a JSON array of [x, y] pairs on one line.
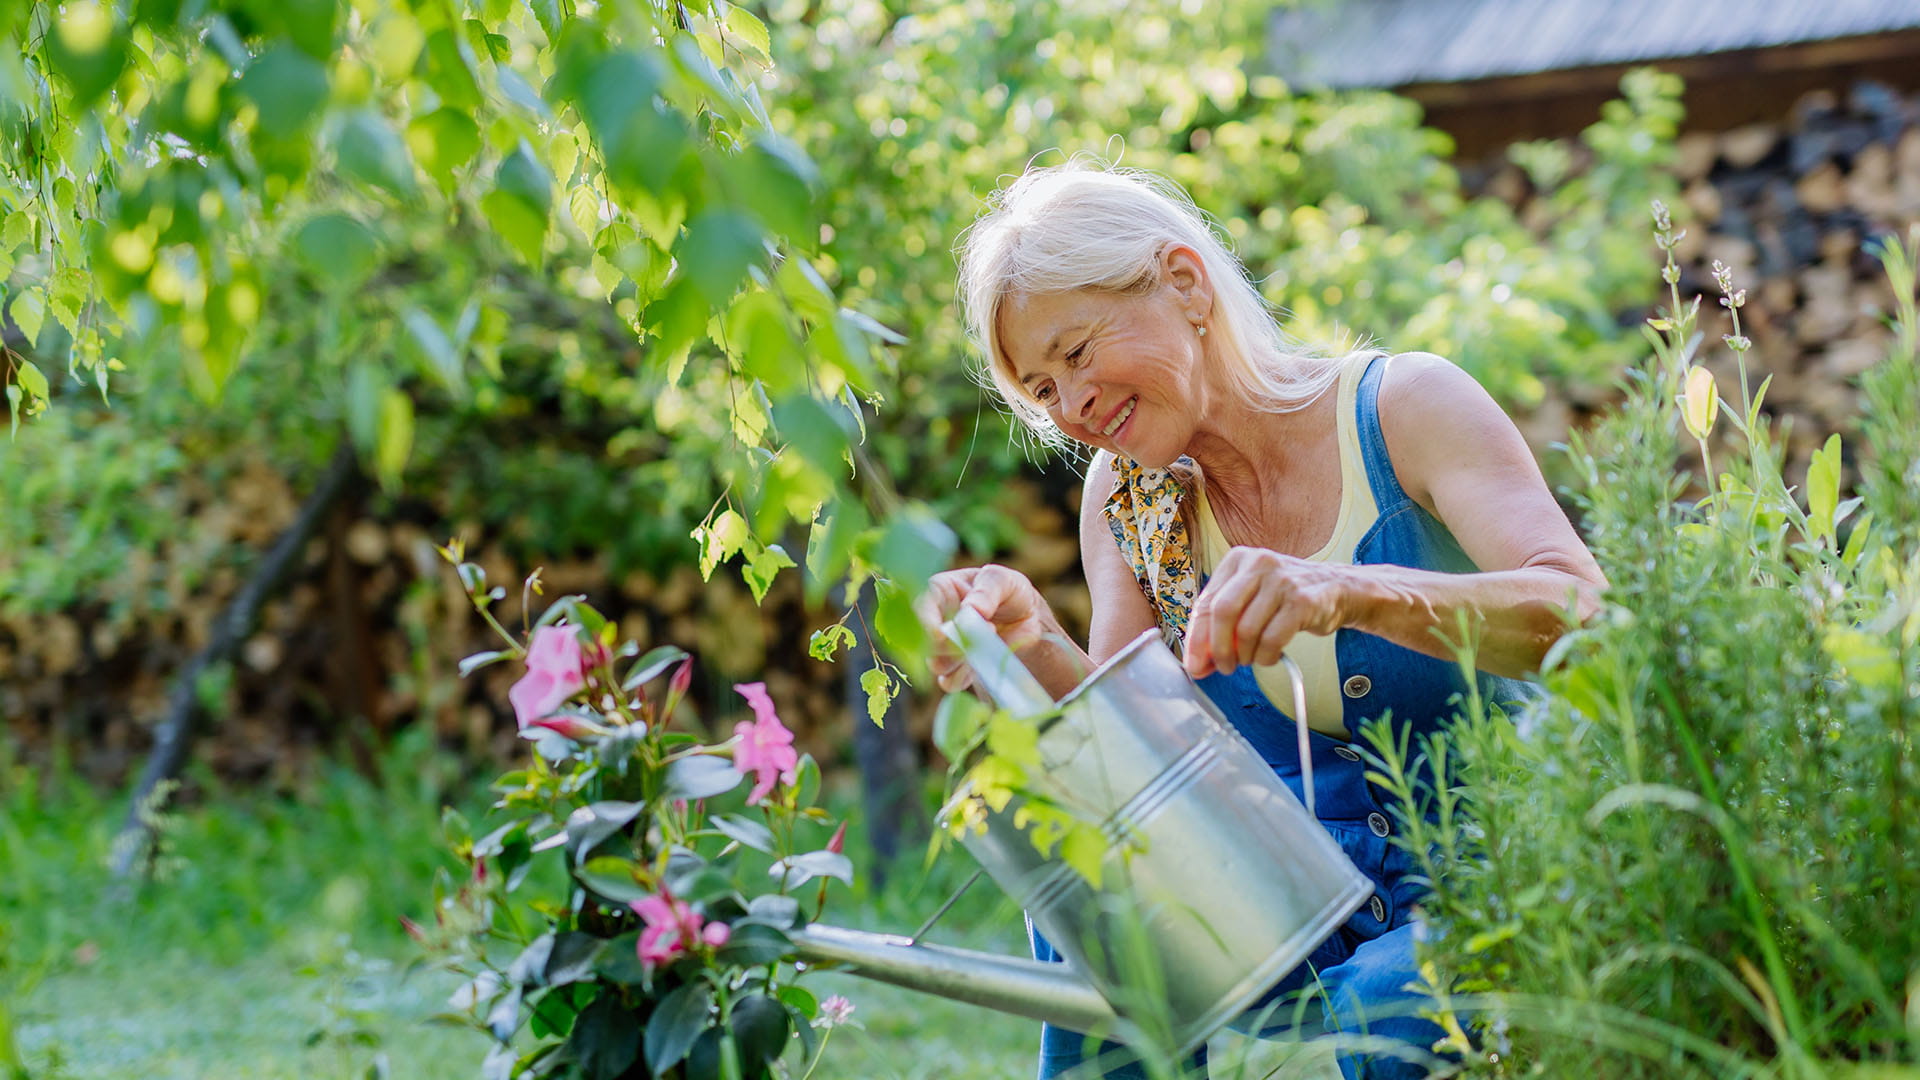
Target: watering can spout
[[1030, 988]]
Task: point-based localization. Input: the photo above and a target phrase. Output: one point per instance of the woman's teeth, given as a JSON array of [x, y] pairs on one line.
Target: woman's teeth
[[1125, 411]]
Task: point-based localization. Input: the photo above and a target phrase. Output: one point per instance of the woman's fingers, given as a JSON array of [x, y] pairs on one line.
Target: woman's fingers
[[1004, 597]]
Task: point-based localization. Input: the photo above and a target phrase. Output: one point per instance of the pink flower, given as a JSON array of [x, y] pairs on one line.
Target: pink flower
[[839, 839], [764, 745], [658, 945], [834, 1011], [681, 679], [556, 670], [673, 928], [573, 727]]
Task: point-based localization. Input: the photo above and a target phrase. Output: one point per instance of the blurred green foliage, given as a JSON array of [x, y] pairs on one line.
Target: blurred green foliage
[[514, 252]]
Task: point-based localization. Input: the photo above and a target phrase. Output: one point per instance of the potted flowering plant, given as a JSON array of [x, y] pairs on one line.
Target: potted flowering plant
[[629, 914]]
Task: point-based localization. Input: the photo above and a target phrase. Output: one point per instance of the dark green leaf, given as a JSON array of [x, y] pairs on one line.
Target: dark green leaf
[[759, 1029], [718, 248], [676, 1022], [518, 224], [613, 878], [87, 46], [589, 826], [619, 961], [701, 776], [605, 1039], [573, 957], [525, 178], [755, 943], [820, 432]]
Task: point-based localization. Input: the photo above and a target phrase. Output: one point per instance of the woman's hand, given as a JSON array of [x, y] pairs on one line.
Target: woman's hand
[[1005, 597], [1255, 601]]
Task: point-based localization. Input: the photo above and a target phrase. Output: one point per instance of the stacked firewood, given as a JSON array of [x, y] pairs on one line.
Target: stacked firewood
[[365, 635], [1791, 207]]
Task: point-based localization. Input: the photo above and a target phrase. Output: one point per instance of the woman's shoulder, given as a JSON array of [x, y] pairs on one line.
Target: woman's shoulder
[[1435, 415]]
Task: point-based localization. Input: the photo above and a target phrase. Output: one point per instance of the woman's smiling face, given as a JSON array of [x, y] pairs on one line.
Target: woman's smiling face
[[1116, 371]]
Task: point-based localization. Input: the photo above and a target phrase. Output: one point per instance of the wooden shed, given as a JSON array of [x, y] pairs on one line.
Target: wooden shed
[[1493, 72]]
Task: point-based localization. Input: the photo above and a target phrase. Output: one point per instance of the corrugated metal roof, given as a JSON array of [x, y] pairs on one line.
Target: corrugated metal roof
[[1356, 43]]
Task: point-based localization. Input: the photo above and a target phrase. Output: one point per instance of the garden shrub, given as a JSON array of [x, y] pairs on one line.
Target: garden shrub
[[1695, 856]]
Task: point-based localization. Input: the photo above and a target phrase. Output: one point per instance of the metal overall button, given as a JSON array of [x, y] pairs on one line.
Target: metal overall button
[[1346, 752], [1378, 823], [1356, 686], [1378, 907]]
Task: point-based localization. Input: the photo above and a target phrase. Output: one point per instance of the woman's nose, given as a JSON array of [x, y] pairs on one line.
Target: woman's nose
[[1077, 402]]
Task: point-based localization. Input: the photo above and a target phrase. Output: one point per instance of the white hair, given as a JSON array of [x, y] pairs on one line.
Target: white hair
[[1084, 225]]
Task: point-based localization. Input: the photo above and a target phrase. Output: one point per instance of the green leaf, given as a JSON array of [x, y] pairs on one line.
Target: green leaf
[[700, 776], [583, 205], [1823, 489], [821, 433], [800, 869], [1085, 849], [719, 247], [801, 999], [605, 1040], [35, 383], [449, 69], [369, 150], [721, 540], [523, 227], [759, 1027], [828, 640], [650, 665], [367, 386], [879, 689], [758, 333], [573, 957], [523, 176], [746, 32], [957, 725], [747, 831], [619, 962], [775, 180], [676, 1022], [337, 250], [479, 660], [913, 547], [86, 46], [443, 141], [761, 568], [394, 443], [613, 878], [589, 826], [17, 230], [29, 312], [288, 87], [754, 943], [774, 909], [436, 348]]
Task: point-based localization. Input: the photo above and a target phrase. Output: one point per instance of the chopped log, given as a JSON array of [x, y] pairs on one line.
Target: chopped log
[[1694, 153], [1821, 190], [173, 738], [1745, 146]]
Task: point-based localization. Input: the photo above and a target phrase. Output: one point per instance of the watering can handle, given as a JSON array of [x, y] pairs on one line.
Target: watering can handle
[[1300, 728], [1005, 679]]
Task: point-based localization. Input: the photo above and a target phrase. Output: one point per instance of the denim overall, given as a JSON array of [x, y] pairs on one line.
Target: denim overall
[[1367, 964]]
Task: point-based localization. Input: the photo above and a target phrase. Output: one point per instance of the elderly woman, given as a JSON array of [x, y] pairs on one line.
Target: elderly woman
[[1247, 499]]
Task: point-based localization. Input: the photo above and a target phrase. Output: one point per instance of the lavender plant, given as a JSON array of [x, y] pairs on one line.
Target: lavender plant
[[1694, 857]]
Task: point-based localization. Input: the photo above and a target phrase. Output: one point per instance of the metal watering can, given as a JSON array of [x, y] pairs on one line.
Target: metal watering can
[[1216, 880]]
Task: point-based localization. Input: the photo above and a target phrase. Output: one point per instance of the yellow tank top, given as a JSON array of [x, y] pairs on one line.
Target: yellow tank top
[[1326, 708]]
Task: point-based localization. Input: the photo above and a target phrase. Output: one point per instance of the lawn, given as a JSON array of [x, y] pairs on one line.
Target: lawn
[[269, 948]]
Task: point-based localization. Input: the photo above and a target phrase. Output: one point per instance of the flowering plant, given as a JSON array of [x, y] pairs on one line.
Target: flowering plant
[[629, 913]]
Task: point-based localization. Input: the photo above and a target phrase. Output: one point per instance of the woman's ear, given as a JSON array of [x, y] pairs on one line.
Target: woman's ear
[[1186, 275]]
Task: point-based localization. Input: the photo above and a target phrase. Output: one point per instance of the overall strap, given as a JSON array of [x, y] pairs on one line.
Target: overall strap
[[1387, 493]]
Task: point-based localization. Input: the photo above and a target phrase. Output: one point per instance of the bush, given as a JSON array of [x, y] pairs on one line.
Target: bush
[[1696, 856]]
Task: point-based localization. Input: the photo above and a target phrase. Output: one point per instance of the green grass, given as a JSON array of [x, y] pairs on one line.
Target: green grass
[[270, 948]]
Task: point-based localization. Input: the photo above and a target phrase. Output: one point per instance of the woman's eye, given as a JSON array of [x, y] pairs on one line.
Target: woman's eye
[[1079, 351], [1044, 394]]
